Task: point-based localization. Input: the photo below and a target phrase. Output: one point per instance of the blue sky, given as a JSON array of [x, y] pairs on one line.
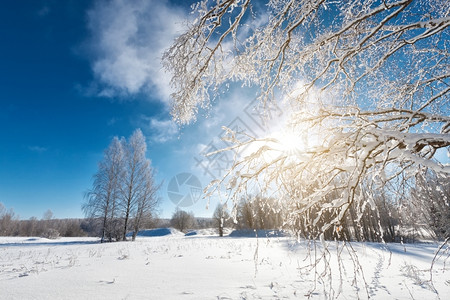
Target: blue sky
[[73, 75]]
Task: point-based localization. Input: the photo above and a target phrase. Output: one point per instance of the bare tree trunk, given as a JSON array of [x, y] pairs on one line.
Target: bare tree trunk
[[125, 225]]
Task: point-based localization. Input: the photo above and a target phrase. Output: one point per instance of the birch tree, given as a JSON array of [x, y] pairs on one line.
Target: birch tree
[[221, 218], [124, 189], [137, 185], [103, 199], [147, 201]]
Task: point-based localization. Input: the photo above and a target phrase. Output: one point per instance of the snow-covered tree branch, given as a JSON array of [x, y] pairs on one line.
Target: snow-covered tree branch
[[367, 81]]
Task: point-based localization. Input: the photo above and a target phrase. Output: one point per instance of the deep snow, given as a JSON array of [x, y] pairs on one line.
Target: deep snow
[[203, 266]]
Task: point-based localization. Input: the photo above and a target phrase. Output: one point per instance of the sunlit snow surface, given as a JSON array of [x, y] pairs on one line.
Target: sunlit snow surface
[[203, 266]]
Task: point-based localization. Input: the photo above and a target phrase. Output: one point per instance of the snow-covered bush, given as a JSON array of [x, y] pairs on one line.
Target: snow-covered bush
[[51, 233]]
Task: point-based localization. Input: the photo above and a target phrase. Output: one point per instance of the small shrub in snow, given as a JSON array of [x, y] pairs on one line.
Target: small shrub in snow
[[51, 234]]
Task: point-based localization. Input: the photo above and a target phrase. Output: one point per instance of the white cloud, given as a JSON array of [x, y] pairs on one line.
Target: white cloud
[[128, 38]]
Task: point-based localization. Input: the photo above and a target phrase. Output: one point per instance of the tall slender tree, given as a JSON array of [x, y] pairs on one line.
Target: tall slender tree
[[147, 201], [137, 188], [221, 218], [102, 199]]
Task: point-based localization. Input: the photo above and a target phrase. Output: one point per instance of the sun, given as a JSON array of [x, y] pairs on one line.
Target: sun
[[290, 143]]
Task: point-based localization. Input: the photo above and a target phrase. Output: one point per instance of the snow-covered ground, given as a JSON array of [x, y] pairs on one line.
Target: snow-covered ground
[[203, 266]]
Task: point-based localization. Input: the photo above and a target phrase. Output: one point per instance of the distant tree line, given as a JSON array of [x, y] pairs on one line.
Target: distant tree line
[[396, 215], [421, 212], [252, 212], [123, 196], [402, 216], [258, 212], [391, 215], [47, 227]]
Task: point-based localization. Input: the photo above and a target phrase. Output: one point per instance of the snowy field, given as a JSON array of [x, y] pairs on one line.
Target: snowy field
[[202, 266]]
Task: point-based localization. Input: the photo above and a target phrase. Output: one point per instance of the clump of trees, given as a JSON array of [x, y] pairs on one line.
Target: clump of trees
[[252, 212], [123, 195], [258, 212], [421, 213], [182, 220]]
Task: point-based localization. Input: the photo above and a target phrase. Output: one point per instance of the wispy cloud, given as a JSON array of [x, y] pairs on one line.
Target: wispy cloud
[[128, 38], [37, 149], [162, 130]]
